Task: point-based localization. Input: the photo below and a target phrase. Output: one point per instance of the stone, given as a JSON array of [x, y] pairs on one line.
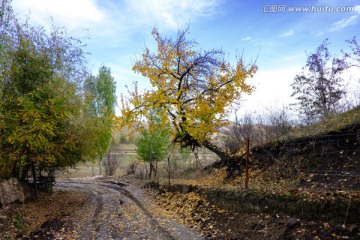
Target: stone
[[12, 191], [3, 217], [354, 228], [292, 222]]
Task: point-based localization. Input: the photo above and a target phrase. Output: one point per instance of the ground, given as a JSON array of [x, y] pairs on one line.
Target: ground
[[93, 208], [216, 223], [120, 208], [20, 219]]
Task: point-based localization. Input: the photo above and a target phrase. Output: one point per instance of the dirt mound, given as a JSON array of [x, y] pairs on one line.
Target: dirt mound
[[216, 223]]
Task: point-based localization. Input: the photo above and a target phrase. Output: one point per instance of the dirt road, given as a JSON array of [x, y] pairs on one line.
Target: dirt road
[[116, 209]]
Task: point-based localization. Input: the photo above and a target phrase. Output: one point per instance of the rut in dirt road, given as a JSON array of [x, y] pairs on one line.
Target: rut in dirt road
[[120, 210]]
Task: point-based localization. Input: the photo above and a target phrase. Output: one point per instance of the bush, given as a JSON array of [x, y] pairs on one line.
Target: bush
[[111, 161]]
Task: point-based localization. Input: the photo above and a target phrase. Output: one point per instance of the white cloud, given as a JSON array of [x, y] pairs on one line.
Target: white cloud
[[293, 58], [109, 18], [168, 13], [265, 43], [357, 9], [319, 33], [246, 38], [288, 33], [343, 23], [272, 88], [68, 13]]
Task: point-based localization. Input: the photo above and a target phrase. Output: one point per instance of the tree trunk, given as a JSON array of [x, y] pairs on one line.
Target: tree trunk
[[24, 173], [232, 162], [156, 168], [150, 171], [100, 163], [15, 170], [169, 169], [33, 170]]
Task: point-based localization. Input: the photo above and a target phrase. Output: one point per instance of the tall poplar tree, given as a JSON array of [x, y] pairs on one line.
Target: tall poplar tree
[[101, 102]]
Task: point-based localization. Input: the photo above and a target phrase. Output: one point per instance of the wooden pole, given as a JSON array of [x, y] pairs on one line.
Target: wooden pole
[[169, 170], [247, 163]]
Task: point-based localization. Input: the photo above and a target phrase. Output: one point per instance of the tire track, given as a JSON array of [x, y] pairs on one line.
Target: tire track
[[155, 224], [114, 212]]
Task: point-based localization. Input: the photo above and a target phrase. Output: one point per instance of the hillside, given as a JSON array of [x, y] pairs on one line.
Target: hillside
[[306, 186], [337, 123], [327, 152]]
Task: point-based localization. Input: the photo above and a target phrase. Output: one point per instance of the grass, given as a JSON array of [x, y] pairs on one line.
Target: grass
[[183, 166], [18, 221], [131, 147], [333, 124], [91, 169]]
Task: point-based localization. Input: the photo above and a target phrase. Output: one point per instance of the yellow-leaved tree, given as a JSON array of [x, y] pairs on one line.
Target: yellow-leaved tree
[[192, 89]]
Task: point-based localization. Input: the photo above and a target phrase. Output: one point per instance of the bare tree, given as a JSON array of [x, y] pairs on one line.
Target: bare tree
[[268, 126], [275, 123], [111, 161], [354, 55], [318, 88], [239, 131], [353, 58]]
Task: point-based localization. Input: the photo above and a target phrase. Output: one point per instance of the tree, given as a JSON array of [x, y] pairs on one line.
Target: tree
[[123, 138], [269, 126], [111, 161], [101, 102], [318, 88], [153, 143], [38, 112], [6, 27], [242, 129], [275, 123], [354, 55], [191, 88], [42, 126]]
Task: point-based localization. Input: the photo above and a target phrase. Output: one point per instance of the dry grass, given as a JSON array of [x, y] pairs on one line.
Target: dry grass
[[335, 123]]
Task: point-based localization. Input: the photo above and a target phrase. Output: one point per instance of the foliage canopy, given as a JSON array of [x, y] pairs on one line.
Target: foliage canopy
[[100, 102], [153, 143], [192, 88], [43, 120]]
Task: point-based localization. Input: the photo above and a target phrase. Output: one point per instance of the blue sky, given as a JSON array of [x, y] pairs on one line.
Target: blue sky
[[119, 30]]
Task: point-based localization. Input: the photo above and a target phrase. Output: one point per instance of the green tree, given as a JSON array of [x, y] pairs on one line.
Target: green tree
[[193, 90], [6, 22], [318, 88], [153, 144], [123, 138], [101, 102], [42, 121], [38, 115]]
